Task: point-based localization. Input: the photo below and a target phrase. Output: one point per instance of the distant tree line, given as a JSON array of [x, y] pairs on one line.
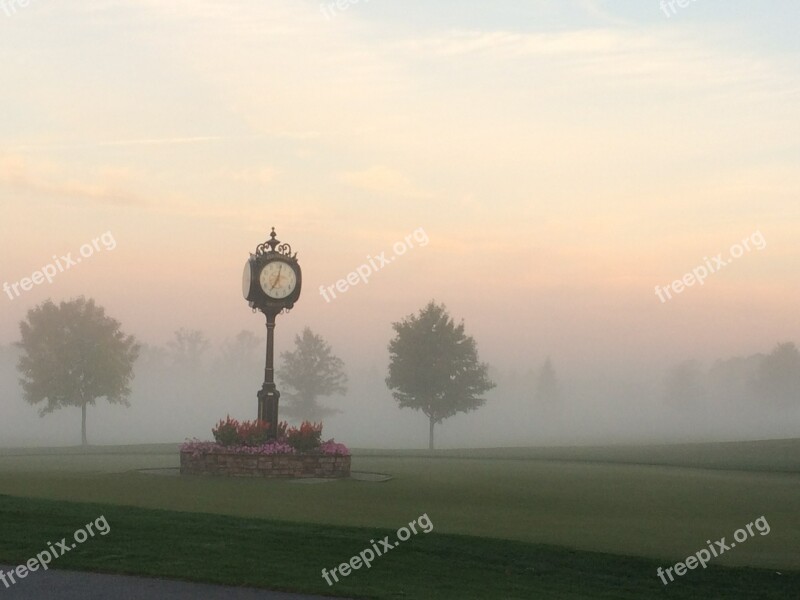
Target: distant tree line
[[771, 379], [73, 354]]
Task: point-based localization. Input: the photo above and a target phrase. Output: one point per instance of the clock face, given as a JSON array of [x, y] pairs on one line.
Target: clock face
[[247, 277], [278, 279]]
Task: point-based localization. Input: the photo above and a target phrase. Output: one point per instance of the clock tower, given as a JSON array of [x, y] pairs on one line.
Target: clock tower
[[271, 284]]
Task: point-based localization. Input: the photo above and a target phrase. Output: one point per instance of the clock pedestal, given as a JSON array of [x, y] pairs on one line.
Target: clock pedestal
[[271, 284], [269, 396]]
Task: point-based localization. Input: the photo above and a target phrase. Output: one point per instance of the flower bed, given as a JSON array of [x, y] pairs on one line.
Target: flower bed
[[297, 453], [232, 464]]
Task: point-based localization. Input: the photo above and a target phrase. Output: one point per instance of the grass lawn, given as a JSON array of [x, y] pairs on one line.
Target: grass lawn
[[560, 523], [290, 556], [782, 456]]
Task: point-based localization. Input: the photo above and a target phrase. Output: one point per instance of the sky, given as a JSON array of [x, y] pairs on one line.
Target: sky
[[561, 158]]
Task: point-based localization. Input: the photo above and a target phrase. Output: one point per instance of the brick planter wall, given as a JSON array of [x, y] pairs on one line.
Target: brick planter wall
[[274, 465]]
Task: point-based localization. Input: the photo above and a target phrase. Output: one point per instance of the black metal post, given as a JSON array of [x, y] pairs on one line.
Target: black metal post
[[269, 396]]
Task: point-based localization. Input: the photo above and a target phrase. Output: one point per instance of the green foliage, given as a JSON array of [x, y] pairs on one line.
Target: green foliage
[[434, 366], [254, 433], [231, 432], [306, 438], [73, 354], [683, 384], [311, 371], [243, 352], [226, 432], [548, 392], [188, 348], [778, 377]]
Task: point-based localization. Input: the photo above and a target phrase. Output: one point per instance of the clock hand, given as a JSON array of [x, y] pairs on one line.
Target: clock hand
[[277, 278]]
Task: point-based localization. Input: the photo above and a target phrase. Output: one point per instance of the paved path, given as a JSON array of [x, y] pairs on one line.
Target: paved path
[[74, 585]]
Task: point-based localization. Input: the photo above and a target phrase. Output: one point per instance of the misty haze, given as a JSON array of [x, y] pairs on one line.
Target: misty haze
[[517, 317]]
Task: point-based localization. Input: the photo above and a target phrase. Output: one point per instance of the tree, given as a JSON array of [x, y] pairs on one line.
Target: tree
[[683, 384], [434, 366], [778, 377], [243, 351], [187, 349], [152, 357], [73, 354], [548, 392], [311, 371], [732, 380]]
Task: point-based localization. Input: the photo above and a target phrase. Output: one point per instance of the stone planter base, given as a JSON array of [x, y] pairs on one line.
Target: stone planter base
[[275, 465]]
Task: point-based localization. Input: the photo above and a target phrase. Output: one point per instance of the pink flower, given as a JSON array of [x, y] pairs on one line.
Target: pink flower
[[197, 448], [331, 448]]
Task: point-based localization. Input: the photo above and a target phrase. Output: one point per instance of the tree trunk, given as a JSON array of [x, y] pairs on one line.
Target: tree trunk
[[83, 425], [430, 439]]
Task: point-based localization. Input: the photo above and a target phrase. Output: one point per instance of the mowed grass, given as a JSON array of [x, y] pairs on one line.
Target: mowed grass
[[641, 510], [593, 526], [290, 556], [782, 456]]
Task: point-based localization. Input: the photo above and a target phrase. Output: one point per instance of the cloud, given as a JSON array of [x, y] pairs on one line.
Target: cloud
[[256, 175], [382, 180], [686, 58], [593, 8], [45, 179], [168, 141]]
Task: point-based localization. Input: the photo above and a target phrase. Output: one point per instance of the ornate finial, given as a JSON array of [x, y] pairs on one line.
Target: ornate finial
[[274, 243]]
